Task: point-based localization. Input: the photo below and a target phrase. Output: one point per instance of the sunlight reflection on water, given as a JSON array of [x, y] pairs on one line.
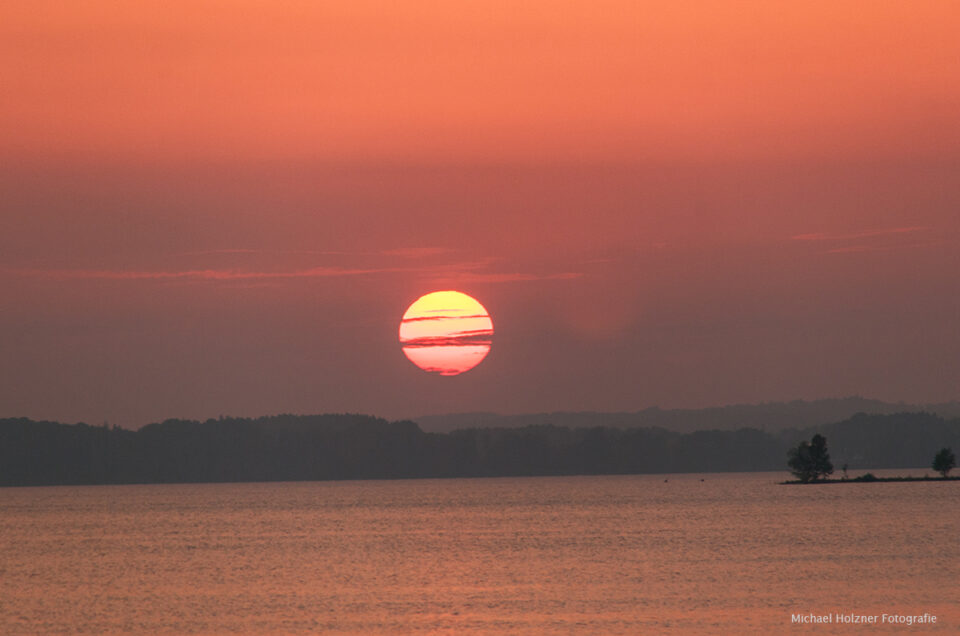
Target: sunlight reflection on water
[[619, 554]]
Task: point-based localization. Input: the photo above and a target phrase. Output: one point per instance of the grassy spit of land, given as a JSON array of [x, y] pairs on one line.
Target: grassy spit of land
[[870, 478]]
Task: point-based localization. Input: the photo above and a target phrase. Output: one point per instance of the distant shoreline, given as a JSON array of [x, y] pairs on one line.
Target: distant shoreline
[[868, 479], [334, 447]]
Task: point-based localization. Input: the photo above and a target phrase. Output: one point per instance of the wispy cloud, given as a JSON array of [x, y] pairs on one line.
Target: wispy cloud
[[233, 251], [459, 273], [449, 316], [473, 333], [417, 252], [823, 236], [852, 249], [874, 240], [452, 340], [224, 251], [201, 274], [257, 272], [402, 252], [511, 277]]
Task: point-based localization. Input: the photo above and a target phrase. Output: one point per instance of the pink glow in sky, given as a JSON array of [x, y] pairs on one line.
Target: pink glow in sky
[[211, 208]]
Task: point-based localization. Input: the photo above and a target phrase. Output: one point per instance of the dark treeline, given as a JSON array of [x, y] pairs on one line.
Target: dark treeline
[[302, 448]]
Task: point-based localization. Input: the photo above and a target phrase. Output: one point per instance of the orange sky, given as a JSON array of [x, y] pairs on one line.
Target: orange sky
[[528, 81], [225, 207]]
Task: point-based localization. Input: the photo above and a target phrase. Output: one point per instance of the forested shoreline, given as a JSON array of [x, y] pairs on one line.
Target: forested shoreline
[[345, 446]]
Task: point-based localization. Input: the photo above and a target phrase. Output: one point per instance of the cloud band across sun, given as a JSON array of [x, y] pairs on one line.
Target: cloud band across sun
[[446, 333]]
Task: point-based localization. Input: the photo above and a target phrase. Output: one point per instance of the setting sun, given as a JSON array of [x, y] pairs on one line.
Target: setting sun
[[446, 332]]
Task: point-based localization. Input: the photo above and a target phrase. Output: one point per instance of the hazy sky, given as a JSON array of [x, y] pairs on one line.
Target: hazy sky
[[226, 207]]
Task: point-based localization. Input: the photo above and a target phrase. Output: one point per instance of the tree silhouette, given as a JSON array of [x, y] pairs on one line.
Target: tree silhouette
[[944, 461], [809, 461]]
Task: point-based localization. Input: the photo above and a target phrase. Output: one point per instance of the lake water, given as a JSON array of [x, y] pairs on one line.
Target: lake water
[[733, 553]]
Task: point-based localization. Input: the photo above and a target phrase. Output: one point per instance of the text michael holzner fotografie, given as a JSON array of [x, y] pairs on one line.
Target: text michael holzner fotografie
[[864, 619]]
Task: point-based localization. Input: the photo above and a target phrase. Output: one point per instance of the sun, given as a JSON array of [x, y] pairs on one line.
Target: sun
[[446, 332]]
